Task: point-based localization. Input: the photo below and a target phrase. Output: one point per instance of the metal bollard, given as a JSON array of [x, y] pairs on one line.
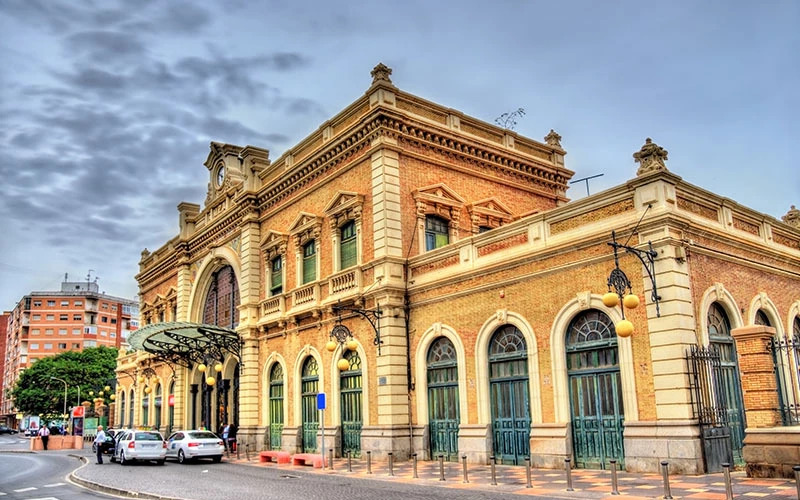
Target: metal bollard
[[464, 466], [247, 451], [391, 464], [528, 472], [349, 461], [441, 467], [614, 487], [728, 486], [665, 473], [330, 458], [494, 472], [414, 463], [796, 470], [568, 468], [238, 456], [369, 462]]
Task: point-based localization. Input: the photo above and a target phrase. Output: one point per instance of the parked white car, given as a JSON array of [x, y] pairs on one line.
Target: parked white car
[[134, 445], [189, 445]]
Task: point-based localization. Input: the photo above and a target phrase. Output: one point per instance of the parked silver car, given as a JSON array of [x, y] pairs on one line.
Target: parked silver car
[[191, 444], [139, 445]]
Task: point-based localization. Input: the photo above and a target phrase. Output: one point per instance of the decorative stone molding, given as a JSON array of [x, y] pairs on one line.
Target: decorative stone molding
[[305, 228], [343, 207], [792, 217], [553, 139], [440, 200], [489, 212], [274, 244], [380, 73], [651, 158]]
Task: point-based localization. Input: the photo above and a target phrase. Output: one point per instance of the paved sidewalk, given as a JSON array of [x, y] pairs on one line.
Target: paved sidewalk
[[586, 484]]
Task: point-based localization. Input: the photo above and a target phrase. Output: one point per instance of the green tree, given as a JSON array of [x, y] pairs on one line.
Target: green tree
[[35, 393]]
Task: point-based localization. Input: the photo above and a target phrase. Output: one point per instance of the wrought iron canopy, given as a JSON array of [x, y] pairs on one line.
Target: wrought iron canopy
[[185, 343]]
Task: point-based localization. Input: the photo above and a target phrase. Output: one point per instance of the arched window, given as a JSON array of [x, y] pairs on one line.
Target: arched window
[[131, 402], [275, 406], [222, 301], [443, 404], [436, 232], [310, 388], [595, 390], [348, 254], [761, 318], [276, 276], [351, 404], [122, 409], [508, 389], [309, 262], [145, 409], [171, 406]]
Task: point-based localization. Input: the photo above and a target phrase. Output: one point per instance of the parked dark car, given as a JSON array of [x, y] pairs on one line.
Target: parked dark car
[[107, 446], [7, 430]]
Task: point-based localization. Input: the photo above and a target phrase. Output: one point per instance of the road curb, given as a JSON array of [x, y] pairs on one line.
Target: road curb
[[102, 488]]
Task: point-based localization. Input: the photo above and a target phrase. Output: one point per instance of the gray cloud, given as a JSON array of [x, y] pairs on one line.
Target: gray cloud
[[104, 46]]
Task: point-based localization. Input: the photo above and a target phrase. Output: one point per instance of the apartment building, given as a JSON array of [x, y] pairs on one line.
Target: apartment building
[[45, 323], [3, 329]]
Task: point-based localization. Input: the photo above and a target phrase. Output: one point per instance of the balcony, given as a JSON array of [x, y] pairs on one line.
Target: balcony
[[272, 307], [305, 297]]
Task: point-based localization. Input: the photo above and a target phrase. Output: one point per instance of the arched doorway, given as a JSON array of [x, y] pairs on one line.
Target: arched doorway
[[131, 401], [275, 406], [310, 388], [146, 407], [122, 410], [508, 389], [171, 406], [221, 308], [443, 407], [595, 391], [352, 420], [721, 341]]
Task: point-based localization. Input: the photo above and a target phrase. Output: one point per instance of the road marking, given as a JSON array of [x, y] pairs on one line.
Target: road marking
[[54, 485], [21, 490], [43, 498]]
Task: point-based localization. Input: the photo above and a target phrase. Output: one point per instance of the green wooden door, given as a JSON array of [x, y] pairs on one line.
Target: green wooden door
[[310, 388], [508, 393], [595, 391], [719, 333], [352, 420], [275, 406], [443, 406]]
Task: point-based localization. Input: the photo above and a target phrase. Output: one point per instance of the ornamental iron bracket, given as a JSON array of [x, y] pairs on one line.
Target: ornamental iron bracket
[[340, 332], [619, 282]]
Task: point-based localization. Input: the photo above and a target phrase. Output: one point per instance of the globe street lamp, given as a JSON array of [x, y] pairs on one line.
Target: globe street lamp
[[65, 392]]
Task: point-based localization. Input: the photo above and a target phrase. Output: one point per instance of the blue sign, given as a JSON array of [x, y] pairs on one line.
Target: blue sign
[[321, 401]]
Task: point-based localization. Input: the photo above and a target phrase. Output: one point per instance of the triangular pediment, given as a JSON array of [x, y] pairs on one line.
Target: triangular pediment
[[342, 201], [491, 206], [304, 221], [273, 238], [438, 193]]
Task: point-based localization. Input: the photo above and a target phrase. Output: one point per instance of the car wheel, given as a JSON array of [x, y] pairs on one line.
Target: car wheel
[[161, 462], [181, 457], [122, 460], [217, 458]]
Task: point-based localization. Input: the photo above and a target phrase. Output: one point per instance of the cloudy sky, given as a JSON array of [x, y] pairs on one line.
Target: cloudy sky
[[107, 107]]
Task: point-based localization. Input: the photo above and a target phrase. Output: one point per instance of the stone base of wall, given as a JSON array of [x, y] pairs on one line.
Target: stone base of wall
[[475, 441], [253, 438], [382, 439], [771, 452], [550, 445], [678, 442], [292, 439], [333, 439], [421, 438]]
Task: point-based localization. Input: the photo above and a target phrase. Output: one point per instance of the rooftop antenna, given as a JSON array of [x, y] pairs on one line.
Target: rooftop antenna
[[586, 179], [89, 278], [66, 277]]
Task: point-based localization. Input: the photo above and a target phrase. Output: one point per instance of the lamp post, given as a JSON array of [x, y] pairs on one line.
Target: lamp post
[[79, 396], [65, 392]]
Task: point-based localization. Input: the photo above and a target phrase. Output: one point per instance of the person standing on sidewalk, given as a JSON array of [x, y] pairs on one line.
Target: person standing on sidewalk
[[231, 441], [99, 440], [44, 433]]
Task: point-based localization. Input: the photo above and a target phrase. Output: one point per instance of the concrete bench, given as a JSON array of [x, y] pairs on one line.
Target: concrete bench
[[307, 459], [281, 457]]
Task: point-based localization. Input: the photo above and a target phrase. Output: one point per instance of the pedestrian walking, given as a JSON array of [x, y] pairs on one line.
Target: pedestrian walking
[[99, 440], [225, 431], [231, 441], [44, 433]]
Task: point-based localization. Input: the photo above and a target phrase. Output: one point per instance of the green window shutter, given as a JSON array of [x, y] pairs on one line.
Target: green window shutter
[[276, 278], [348, 253], [309, 263]]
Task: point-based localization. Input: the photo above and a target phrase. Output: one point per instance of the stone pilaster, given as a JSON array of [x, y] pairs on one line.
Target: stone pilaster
[[184, 290], [249, 274], [759, 385], [392, 432], [249, 402], [387, 231]]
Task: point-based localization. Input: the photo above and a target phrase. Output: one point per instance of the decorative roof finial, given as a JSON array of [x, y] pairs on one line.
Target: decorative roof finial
[[651, 157], [380, 73], [792, 217], [553, 139]]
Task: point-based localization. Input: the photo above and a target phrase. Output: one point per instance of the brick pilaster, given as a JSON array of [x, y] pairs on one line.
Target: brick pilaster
[[759, 386]]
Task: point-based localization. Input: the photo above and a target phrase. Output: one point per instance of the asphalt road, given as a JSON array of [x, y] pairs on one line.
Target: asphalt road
[[37, 475]]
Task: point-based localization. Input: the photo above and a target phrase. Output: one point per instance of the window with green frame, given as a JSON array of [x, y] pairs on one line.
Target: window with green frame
[[276, 276], [309, 262], [436, 232], [348, 253]]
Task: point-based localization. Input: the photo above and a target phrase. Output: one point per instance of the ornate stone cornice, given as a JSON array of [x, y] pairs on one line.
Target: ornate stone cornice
[[792, 217]]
